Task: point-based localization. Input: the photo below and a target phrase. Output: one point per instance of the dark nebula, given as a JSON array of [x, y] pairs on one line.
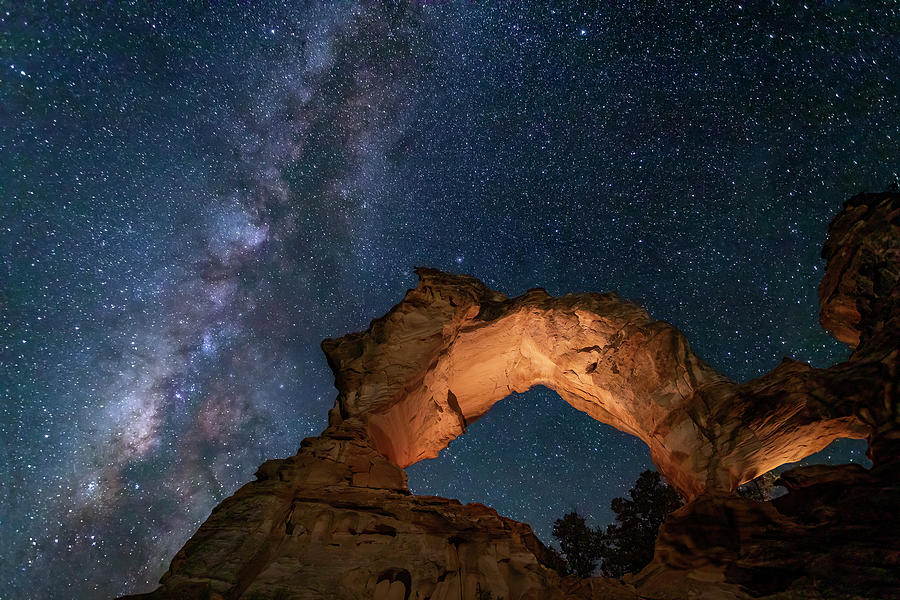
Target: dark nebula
[[194, 194]]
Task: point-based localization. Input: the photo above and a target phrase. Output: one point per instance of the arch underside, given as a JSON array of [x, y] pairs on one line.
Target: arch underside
[[453, 348]]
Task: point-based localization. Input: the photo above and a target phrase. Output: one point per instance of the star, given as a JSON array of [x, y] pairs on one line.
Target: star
[[196, 197]]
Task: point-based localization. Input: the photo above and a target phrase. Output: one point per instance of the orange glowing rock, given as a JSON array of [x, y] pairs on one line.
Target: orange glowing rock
[[453, 347]]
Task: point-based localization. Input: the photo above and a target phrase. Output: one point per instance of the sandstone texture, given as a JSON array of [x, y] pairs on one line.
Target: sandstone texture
[[835, 534], [337, 520], [452, 348]]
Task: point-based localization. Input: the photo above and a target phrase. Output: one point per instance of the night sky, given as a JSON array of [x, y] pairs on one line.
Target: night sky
[[194, 194]]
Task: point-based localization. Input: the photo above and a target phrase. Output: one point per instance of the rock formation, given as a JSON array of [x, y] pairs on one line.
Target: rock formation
[[836, 534], [452, 348], [337, 520]]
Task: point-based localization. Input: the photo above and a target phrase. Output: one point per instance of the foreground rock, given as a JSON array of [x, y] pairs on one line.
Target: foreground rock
[[834, 535], [337, 519]]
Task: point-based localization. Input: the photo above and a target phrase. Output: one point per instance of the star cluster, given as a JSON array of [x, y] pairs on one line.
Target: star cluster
[[195, 194]]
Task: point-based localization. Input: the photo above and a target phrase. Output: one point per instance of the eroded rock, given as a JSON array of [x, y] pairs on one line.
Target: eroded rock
[[337, 520], [452, 348]]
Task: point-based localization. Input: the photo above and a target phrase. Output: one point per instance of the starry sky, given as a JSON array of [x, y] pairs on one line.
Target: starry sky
[[195, 193]]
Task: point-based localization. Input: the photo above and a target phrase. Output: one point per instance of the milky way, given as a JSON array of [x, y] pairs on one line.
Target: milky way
[[196, 194]]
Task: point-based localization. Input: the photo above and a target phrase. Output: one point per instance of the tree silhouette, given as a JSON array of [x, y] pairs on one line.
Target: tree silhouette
[[625, 546], [579, 544]]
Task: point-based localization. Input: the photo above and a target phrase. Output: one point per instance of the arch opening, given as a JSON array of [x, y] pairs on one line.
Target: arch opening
[[609, 360], [533, 458]]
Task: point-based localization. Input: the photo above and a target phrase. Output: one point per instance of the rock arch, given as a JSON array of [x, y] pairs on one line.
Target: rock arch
[[337, 519], [453, 348]]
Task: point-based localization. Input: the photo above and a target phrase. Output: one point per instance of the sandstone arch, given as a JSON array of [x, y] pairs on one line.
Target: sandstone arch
[[337, 519], [453, 348]]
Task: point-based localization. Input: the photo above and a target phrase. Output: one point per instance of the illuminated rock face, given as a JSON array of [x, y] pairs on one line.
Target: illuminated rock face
[[452, 348], [337, 519]]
